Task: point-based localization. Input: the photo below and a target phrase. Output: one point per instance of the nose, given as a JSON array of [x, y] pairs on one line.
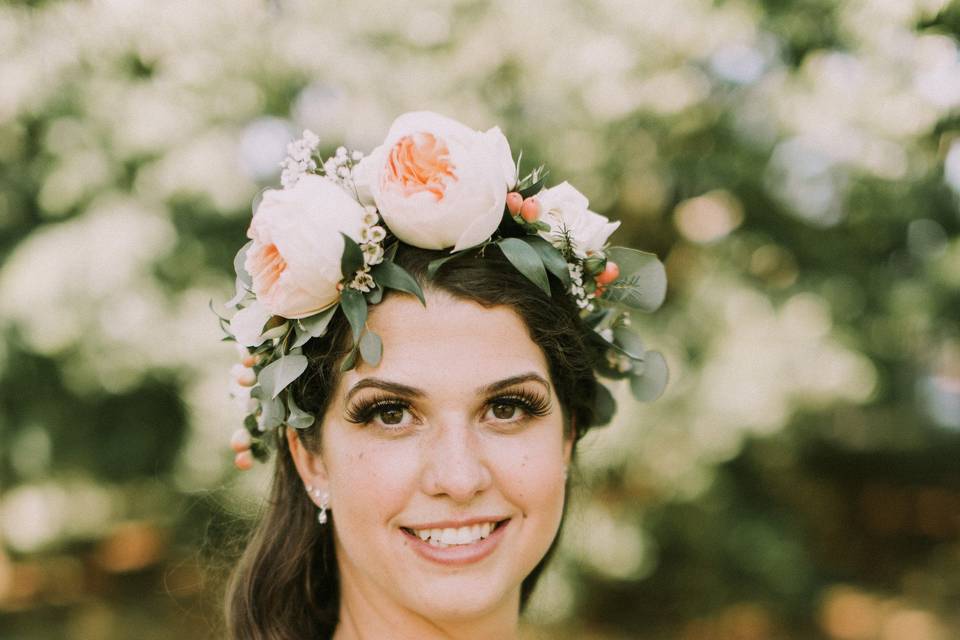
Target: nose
[[455, 463]]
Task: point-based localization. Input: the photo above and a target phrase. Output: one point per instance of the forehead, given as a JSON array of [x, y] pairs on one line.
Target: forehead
[[449, 343]]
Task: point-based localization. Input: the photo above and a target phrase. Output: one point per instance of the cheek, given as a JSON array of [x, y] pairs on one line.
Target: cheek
[[372, 480], [531, 473]]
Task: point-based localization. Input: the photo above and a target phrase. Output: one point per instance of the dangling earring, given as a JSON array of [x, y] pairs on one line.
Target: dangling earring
[[324, 499]]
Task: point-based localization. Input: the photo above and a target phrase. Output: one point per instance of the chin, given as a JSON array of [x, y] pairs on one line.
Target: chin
[[464, 600]]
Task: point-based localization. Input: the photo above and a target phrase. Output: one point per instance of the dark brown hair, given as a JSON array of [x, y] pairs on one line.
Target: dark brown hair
[[286, 584]]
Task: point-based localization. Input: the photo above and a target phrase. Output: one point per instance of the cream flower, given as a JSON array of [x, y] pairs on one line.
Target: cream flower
[[438, 183], [295, 256], [565, 210]]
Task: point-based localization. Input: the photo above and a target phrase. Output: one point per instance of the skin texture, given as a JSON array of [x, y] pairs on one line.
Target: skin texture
[[461, 451]]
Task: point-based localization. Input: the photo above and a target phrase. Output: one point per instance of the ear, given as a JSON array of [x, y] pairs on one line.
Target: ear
[[309, 465]]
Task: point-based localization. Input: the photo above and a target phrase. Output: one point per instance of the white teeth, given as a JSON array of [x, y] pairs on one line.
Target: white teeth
[[450, 536]]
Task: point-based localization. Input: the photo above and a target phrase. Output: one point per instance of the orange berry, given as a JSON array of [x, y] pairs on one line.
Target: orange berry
[[243, 461], [599, 291], [610, 273], [244, 376], [249, 361], [514, 202], [240, 440], [530, 210]]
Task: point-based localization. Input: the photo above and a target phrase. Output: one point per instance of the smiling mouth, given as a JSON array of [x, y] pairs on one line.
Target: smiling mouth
[[462, 536]]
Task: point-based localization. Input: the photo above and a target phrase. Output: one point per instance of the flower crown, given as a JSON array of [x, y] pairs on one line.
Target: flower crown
[[326, 240]]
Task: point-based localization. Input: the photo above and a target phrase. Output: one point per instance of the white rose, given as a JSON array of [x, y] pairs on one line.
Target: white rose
[[565, 210], [438, 183], [294, 260]]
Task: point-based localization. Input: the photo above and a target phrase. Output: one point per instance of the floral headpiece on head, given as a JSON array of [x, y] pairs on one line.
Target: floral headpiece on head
[[325, 243]]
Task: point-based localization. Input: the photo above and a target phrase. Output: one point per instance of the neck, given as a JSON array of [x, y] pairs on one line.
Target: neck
[[365, 615]]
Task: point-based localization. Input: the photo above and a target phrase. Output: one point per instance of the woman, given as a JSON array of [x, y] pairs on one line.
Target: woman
[[425, 420]]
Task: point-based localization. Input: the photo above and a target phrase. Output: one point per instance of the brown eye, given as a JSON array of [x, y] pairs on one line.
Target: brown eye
[[393, 415], [503, 411]]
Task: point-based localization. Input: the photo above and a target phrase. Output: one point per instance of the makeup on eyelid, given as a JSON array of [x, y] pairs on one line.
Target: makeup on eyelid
[[532, 404]]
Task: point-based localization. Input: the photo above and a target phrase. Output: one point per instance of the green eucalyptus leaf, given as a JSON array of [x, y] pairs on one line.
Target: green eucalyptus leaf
[[435, 265], [352, 258], [277, 331], [375, 295], [390, 252], [371, 348], [604, 406], [629, 343], [278, 374], [552, 259], [650, 385], [271, 414], [349, 361], [297, 418], [241, 293], [355, 308], [392, 275], [238, 265], [526, 260], [316, 325], [302, 338], [257, 199], [642, 283]]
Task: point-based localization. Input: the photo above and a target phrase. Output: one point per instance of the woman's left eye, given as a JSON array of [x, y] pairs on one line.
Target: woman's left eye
[[516, 408], [503, 411]]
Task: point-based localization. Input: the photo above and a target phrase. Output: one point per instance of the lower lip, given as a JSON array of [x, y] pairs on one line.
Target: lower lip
[[458, 554]]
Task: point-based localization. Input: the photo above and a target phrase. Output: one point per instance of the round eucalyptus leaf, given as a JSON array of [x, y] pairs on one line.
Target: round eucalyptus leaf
[[650, 385], [371, 348]]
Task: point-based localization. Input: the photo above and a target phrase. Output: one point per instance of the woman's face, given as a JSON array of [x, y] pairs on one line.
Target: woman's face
[[445, 463]]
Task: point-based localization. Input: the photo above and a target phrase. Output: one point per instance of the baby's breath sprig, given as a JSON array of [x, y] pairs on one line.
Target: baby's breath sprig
[[301, 158], [339, 167]]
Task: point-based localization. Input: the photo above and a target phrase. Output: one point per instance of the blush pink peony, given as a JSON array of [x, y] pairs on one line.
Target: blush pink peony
[[438, 183], [294, 260]]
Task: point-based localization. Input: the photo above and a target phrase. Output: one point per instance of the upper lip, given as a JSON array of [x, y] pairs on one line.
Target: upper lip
[[455, 524]]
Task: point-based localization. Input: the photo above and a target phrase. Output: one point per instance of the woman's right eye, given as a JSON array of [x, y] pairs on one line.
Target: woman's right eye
[[388, 414], [391, 414]]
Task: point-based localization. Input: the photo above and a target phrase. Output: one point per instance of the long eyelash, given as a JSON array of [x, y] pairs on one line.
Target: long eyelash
[[365, 410], [533, 403]]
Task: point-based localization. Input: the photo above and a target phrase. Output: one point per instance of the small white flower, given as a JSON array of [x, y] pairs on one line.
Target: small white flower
[[341, 152], [310, 138], [373, 234], [299, 160], [363, 281], [371, 217], [356, 156], [372, 254]]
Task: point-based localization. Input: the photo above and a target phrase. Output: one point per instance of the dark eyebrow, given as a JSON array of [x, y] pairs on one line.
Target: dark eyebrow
[[413, 392], [512, 381], [385, 385]]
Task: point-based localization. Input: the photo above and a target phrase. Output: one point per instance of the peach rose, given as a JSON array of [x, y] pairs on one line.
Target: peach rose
[[438, 183], [294, 260]]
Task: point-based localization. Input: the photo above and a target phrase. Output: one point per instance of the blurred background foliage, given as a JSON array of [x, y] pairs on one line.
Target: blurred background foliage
[[796, 164]]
